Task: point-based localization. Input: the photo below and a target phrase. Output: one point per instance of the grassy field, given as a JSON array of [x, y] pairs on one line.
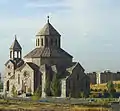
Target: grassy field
[[13, 105]]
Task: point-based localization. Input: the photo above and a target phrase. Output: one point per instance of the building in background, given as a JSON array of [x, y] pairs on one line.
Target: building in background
[[103, 77], [92, 77]]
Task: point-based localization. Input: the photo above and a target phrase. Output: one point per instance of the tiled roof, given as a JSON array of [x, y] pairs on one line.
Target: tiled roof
[[48, 29], [47, 52]]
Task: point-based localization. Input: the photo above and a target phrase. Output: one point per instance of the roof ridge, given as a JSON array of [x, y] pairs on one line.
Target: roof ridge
[[48, 29]]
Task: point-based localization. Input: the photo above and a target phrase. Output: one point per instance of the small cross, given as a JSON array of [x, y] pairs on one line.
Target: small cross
[[48, 18], [15, 37]]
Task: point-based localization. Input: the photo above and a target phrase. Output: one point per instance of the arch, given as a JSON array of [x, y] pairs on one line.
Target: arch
[[19, 54], [15, 54], [8, 85], [41, 41]]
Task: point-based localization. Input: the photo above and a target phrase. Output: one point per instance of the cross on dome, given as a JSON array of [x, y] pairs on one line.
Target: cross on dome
[[48, 19]]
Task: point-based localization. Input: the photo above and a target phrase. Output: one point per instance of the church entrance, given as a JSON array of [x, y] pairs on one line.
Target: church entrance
[[8, 85]]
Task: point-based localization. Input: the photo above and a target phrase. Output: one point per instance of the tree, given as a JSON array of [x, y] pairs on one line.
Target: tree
[[1, 86], [82, 94], [111, 88], [47, 87], [55, 86], [14, 91], [39, 91]]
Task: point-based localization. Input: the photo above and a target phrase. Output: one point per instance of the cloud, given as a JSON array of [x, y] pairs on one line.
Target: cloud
[[47, 4], [55, 5]]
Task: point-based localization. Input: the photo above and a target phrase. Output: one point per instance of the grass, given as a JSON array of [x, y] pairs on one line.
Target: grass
[[103, 86], [90, 109], [13, 105]]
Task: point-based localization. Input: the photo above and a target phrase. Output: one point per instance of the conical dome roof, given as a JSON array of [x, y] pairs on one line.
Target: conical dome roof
[[15, 45], [48, 29]]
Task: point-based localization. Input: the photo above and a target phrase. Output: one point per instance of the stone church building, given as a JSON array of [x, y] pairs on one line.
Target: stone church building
[[45, 60]]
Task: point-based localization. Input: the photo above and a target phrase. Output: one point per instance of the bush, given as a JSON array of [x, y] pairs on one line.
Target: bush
[[82, 95], [35, 97], [14, 91], [55, 86]]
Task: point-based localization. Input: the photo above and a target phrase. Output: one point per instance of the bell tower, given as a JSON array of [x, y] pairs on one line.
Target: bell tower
[[15, 50], [48, 36]]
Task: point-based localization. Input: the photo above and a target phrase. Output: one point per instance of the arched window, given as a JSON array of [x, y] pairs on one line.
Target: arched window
[[18, 78], [41, 41], [19, 54], [38, 42], [15, 54], [26, 73]]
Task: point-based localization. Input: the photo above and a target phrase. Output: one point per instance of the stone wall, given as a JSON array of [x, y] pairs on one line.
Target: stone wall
[[77, 82], [58, 61]]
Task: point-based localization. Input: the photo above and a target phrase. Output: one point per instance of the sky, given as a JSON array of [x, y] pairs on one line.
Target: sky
[[90, 29]]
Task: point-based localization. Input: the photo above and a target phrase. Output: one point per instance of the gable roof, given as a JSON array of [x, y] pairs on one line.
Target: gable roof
[[9, 61], [48, 29], [16, 62], [73, 66], [31, 65], [47, 52]]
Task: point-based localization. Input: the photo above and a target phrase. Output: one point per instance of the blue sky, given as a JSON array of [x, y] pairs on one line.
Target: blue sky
[[90, 29]]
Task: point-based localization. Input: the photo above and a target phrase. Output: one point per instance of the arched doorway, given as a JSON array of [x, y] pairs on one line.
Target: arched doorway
[[8, 85]]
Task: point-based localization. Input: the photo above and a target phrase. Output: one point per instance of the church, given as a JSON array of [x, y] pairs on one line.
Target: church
[[40, 65]]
